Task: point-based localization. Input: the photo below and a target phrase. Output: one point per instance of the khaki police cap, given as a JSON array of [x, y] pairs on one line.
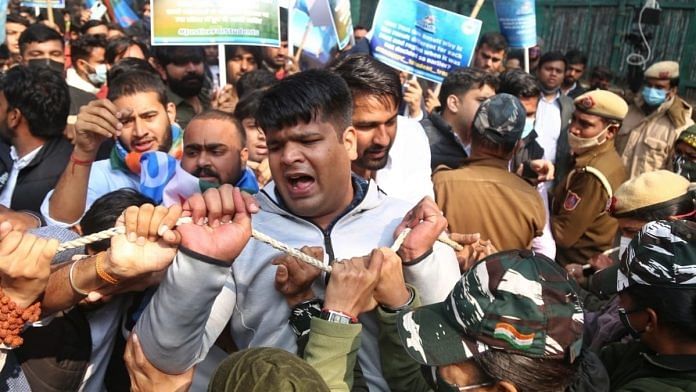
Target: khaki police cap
[[663, 70], [602, 103], [648, 189]]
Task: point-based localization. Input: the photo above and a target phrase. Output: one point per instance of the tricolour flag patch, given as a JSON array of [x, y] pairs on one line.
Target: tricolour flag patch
[[510, 334]]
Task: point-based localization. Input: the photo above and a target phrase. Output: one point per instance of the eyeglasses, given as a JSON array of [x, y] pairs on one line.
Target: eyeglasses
[[627, 312]]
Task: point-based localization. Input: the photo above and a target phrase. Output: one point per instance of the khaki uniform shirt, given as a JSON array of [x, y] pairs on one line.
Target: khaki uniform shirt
[[579, 221], [484, 197], [646, 143]]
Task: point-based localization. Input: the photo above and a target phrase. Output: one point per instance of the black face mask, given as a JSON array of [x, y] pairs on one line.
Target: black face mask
[[623, 316], [52, 64]]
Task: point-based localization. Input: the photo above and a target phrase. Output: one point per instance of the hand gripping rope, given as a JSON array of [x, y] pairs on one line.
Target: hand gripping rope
[[106, 234]]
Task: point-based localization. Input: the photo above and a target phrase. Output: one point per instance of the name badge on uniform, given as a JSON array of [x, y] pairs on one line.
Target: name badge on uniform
[[571, 201]]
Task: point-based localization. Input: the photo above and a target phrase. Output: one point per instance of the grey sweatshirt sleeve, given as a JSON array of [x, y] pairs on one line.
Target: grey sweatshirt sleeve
[[177, 329], [435, 276]]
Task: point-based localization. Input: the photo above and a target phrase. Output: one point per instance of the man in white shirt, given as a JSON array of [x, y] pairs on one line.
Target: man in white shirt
[[554, 112], [88, 71], [33, 152], [392, 150]]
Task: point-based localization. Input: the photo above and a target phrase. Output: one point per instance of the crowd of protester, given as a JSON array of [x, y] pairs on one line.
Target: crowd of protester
[[568, 197]]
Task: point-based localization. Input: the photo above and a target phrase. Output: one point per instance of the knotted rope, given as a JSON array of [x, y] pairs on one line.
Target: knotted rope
[[257, 235]]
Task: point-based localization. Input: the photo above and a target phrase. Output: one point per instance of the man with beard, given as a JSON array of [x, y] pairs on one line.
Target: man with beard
[[182, 68], [88, 71], [554, 112], [577, 62], [34, 105], [215, 150], [313, 200], [392, 150], [139, 116]]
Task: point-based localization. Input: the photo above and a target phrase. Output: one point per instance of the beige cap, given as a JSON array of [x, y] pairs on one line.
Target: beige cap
[[602, 103], [663, 70], [648, 189]]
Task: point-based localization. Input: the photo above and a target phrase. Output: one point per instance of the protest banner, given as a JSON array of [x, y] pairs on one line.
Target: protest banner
[[517, 20], [205, 22], [342, 21], [312, 30], [421, 39], [44, 3]]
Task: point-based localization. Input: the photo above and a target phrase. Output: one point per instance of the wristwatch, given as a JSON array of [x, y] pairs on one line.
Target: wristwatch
[[337, 317]]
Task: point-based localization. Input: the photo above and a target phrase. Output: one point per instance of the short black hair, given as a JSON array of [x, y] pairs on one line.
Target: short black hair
[[231, 50], [248, 106], [576, 56], [461, 80], [106, 210], [359, 27], [137, 81], [41, 95], [214, 114], [493, 40], [305, 97], [117, 46], [166, 55], [4, 52], [519, 83], [15, 18], [39, 33], [89, 24], [81, 48], [366, 76], [675, 307], [127, 65], [601, 72], [552, 56], [254, 80]]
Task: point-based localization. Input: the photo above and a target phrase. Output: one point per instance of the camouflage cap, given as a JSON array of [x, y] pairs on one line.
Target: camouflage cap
[[662, 254], [688, 136], [516, 301], [501, 118]]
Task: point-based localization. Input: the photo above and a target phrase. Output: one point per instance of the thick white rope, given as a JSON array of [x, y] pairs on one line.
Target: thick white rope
[[106, 234]]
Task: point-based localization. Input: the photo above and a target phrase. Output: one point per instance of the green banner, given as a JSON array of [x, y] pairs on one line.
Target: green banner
[[205, 22]]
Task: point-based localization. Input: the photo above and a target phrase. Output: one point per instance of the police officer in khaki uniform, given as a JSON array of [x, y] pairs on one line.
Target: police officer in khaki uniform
[[579, 221], [654, 121]]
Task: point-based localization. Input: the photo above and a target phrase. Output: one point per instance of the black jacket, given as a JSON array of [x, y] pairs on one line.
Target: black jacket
[[444, 147], [40, 176]]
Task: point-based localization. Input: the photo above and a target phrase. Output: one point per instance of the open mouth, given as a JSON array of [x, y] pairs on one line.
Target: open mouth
[[143, 145], [300, 184]]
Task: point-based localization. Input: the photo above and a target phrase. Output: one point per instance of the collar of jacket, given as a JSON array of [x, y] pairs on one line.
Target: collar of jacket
[[445, 129], [488, 161], [588, 156], [47, 149], [679, 363], [366, 196]]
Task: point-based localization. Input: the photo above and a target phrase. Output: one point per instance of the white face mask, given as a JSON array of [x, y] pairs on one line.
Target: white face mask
[[580, 144], [623, 244], [99, 76]]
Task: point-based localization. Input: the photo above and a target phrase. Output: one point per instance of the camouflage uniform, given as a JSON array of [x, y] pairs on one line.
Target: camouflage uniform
[[661, 255]]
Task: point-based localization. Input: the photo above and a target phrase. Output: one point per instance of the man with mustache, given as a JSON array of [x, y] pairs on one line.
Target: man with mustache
[[215, 150], [392, 150], [182, 68], [313, 200]]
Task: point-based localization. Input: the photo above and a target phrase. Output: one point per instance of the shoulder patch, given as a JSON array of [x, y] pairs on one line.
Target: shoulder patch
[[571, 201]]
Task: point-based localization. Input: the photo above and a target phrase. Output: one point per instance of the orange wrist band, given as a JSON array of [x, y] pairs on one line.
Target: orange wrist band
[[105, 276]]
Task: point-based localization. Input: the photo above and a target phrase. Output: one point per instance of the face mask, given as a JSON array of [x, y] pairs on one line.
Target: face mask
[[98, 77], [443, 386], [635, 334], [623, 244], [528, 127], [52, 64], [684, 167], [579, 144], [654, 96]]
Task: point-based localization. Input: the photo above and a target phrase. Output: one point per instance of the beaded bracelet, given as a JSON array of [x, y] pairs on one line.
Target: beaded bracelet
[[13, 318]]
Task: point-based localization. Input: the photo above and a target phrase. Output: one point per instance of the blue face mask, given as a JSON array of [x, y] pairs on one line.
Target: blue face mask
[[528, 127], [654, 96]]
